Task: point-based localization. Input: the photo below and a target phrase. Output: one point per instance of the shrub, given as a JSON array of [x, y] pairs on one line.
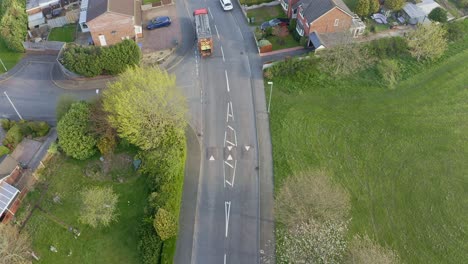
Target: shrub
[[53, 148], [73, 132], [455, 31], [93, 61], [13, 137], [438, 14], [64, 103], [150, 244], [6, 124], [389, 47], [4, 150], [106, 144], [13, 24], [165, 224], [292, 25], [38, 129]]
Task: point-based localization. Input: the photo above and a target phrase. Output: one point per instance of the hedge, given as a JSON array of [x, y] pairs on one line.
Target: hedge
[[93, 61], [4, 150]]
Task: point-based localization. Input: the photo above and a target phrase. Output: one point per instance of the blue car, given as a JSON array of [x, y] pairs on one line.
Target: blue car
[[158, 22]]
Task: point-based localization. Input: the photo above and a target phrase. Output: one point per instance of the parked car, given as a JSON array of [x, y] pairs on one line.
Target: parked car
[[226, 5], [275, 22], [158, 22]]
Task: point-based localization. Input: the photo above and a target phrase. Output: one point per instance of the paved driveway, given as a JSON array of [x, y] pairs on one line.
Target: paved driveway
[[161, 38]]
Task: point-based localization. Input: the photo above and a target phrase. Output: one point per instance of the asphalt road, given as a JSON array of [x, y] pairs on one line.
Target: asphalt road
[[219, 90], [32, 91]]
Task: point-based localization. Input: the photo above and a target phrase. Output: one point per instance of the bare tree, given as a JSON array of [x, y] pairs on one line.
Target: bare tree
[[15, 248], [99, 206]]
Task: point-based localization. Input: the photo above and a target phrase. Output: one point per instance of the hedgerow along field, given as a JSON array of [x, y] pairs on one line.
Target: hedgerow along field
[[400, 153]]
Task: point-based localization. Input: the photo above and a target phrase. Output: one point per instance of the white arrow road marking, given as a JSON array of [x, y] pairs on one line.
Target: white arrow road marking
[[227, 211], [229, 147], [212, 158], [229, 157], [227, 80], [247, 148], [233, 176]]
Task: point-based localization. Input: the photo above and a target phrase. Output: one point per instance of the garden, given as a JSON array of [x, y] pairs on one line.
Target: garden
[[64, 34], [381, 146]]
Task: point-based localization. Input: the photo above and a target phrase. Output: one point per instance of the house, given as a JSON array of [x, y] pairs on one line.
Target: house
[[111, 21], [8, 193], [418, 13], [326, 16]]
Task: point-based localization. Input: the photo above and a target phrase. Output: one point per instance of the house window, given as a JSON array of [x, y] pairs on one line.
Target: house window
[[337, 22], [113, 32], [301, 14], [299, 30]]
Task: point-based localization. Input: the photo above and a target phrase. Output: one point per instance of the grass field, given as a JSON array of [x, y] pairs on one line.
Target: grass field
[[286, 42], [10, 59], [64, 34], [401, 154], [114, 244], [265, 13]]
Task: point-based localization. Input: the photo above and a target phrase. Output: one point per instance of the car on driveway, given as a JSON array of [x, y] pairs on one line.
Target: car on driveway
[[226, 5], [159, 22], [275, 22]]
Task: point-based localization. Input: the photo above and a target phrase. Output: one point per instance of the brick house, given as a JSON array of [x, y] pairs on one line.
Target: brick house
[[111, 21]]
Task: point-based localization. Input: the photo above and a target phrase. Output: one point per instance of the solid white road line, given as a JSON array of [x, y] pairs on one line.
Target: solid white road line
[[234, 173], [227, 80], [227, 211], [224, 258], [209, 11], [217, 33], [222, 53], [224, 175], [230, 113]]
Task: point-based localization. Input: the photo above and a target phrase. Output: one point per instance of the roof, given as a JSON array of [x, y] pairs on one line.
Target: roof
[[7, 195], [202, 24], [315, 39], [413, 11], [99, 7], [427, 6], [313, 9], [31, 4], [7, 166]]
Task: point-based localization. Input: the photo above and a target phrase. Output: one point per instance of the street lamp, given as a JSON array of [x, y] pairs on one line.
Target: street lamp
[[269, 100]]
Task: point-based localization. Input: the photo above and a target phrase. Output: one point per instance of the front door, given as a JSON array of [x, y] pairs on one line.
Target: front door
[[102, 40]]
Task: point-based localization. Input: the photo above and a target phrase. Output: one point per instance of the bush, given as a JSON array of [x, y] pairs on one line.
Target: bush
[[38, 129], [53, 148], [13, 137], [389, 47], [6, 124], [4, 150], [150, 244], [455, 31], [165, 224], [292, 25], [64, 103], [438, 14], [73, 132], [93, 61], [13, 24]]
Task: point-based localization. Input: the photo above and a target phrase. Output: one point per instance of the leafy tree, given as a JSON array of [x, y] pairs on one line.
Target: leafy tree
[[312, 242], [14, 136], [99, 206], [389, 70], [144, 105], [115, 59], [308, 196], [362, 8], [74, 134], [346, 58], [455, 31], [427, 42], [362, 250], [165, 224], [64, 103], [438, 14], [13, 24], [374, 6], [100, 126], [15, 248], [394, 5]]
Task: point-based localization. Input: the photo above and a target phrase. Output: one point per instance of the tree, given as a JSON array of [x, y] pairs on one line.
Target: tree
[[374, 6], [312, 243], [13, 24], [427, 42], [165, 224], [395, 5], [438, 14], [74, 134], [345, 58], [100, 126], [362, 8], [144, 105], [98, 206], [455, 31], [15, 248], [311, 196], [362, 250]]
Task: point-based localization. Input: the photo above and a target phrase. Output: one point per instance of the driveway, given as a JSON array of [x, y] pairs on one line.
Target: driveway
[[161, 38]]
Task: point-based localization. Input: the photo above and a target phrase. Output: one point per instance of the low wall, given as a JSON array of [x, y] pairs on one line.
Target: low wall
[[273, 3]]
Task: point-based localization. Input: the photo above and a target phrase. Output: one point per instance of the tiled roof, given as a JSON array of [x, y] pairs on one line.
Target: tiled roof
[[313, 9]]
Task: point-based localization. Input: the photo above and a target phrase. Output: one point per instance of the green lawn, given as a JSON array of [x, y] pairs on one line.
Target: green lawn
[[146, 2], [266, 13], [114, 244], [351, 4], [253, 2], [401, 154], [286, 42], [64, 34], [10, 59]]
